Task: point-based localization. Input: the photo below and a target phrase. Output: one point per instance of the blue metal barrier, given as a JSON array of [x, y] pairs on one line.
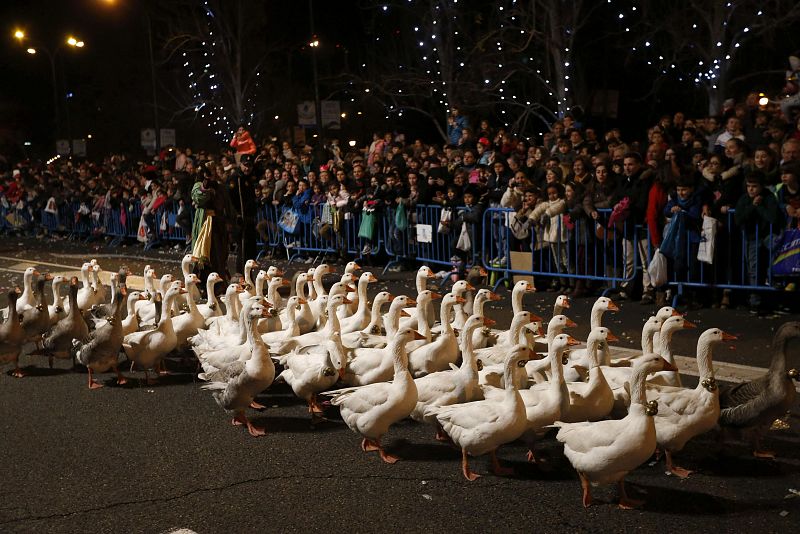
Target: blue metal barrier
[[307, 239]]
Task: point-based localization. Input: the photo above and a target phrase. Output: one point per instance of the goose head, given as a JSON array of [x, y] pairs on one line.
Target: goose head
[[192, 280], [666, 312], [404, 335], [165, 283], [367, 277], [382, 298], [563, 302], [524, 286], [558, 323], [351, 267], [675, 323], [460, 287], [188, 260], [425, 272], [334, 301], [519, 355], [400, 302], [273, 271], [605, 304], [30, 274]]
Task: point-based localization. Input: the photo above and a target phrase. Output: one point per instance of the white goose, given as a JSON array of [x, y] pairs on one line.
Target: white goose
[[87, 293], [517, 294], [342, 287], [360, 319], [147, 309], [273, 323], [544, 403], [538, 370], [211, 307], [460, 316], [371, 410], [146, 349], [480, 427], [187, 324], [293, 331], [313, 373], [27, 299], [130, 323], [483, 337], [424, 274], [372, 335], [591, 400], [248, 285], [56, 309], [420, 320], [603, 452], [686, 413], [241, 382], [305, 319], [187, 265], [317, 337], [219, 352], [497, 353], [97, 284], [454, 386], [439, 354], [228, 323]]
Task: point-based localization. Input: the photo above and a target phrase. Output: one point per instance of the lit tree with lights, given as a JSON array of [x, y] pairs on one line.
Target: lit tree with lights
[[509, 59], [221, 53], [700, 42]]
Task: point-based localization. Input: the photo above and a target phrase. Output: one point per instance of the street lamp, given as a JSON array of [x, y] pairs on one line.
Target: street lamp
[[35, 47]]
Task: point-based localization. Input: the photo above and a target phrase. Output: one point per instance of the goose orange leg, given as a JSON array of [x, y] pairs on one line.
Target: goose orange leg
[[120, 378], [674, 469], [498, 469], [625, 502], [587, 491], [92, 383], [468, 473]]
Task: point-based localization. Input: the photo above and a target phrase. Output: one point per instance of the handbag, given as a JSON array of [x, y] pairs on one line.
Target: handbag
[[400, 218], [288, 221], [367, 228], [444, 218], [326, 217], [705, 250], [658, 269], [787, 256], [464, 242]]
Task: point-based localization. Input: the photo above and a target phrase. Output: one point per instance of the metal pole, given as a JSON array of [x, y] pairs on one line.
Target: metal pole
[[317, 105], [153, 80]]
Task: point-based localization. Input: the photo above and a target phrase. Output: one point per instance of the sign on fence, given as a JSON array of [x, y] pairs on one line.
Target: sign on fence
[[424, 233]]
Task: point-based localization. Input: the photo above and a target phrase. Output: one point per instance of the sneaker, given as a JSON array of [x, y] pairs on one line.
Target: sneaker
[[501, 262], [395, 268], [647, 298], [622, 295], [308, 260], [366, 250], [791, 286]]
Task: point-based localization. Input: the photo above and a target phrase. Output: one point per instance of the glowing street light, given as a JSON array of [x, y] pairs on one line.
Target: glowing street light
[[762, 100], [19, 35], [314, 43], [31, 51]]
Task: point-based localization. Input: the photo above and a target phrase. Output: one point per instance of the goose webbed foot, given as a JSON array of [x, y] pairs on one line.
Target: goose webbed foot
[[121, 380], [93, 384], [17, 372], [760, 453], [442, 436], [367, 445], [257, 406], [468, 473], [673, 469], [498, 469], [625, 502]]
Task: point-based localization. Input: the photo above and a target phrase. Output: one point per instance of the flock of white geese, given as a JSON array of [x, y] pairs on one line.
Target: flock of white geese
[[396, 357]]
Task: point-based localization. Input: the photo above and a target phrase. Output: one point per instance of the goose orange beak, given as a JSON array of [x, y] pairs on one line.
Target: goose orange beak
[[533, 355], [435, 296], [687, 324], [676, 313], [530, 288], [372, 278], [461, 300], [571, 323], [536, 318], [611, 337], [571, 341], [351, 288], [302, 301], [566, 303], [669, 366], [411, 302], [728, 337], [494, 296], [612, 306], [431, 275], [346, 301], [341, 373], [390, 297], [470, 287], [417, 335], [489, 322], [404, 313], [286, 283]]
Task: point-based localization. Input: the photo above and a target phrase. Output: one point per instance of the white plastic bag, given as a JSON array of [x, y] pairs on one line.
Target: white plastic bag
[[658, 269], [705, 251], [464, 242]]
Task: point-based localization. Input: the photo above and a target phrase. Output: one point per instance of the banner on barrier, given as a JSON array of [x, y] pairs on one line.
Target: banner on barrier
[[424, 233]]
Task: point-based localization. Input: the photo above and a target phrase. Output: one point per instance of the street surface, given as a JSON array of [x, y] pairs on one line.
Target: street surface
[[140, 458]]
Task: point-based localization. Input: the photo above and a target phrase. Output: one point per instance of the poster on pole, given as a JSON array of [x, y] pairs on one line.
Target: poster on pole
[[331, 114], [62, 147], [167, 137], [306, 114], [79, 147], [148, 138]]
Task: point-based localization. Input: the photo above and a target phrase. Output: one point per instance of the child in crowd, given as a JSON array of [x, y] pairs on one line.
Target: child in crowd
[[549, 215], [759, 217], [684, 209]]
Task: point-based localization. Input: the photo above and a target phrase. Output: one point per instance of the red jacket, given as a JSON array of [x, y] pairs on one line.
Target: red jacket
[[244, 144], [656, 200]]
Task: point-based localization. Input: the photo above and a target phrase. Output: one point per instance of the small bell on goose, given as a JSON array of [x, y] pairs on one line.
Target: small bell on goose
[[651, 408]]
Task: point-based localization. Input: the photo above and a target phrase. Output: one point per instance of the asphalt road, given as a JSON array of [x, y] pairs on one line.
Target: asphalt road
[[141, 458]]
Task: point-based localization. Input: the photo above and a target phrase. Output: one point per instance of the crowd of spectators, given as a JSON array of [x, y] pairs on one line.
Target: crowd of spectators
[[561, 189]]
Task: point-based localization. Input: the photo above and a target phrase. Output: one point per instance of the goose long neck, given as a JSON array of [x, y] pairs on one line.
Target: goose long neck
[[704, 359], [477, 305], [596, 317], [260, 280], [422, 318], [132, 305], [637, 385], [319, 288], [399, 358], [665, 345], [469, 362], [212, 298], [299, 287], [251, 327], [333, 324], [231, 299], [374, 315], [444, 315], [778, 362], [13, 316], [647, 340], [362, 297], [186, 268], [516, 300], [593, 345], [248, 276], [58, 300], [165, 322], [558, 309], [393, 320], [516, 327], [190, 301], [422, 283]]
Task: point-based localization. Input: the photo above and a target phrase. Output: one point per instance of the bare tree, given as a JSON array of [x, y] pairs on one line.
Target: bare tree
[[700, 42]]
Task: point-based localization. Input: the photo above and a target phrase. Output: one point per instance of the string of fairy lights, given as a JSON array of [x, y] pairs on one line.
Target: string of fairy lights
[[205, 82]]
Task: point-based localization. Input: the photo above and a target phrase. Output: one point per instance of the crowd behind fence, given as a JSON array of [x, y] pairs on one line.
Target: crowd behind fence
[[589, 251]]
